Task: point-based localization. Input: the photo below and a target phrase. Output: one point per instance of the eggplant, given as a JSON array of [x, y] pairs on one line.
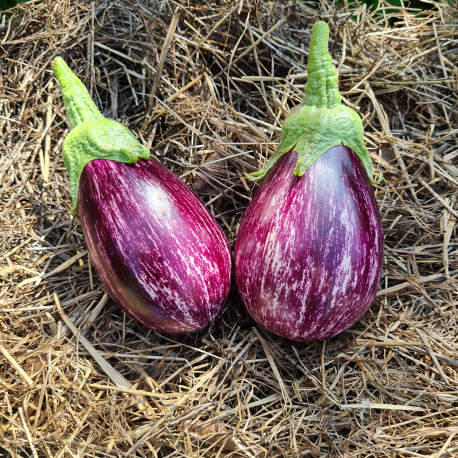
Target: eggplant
[[158, 251], [309, 250]]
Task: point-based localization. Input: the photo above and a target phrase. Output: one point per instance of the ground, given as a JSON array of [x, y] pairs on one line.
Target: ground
[[198, 82]]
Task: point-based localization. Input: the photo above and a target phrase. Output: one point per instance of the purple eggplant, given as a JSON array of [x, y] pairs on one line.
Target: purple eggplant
[[158, 251], [309, 250]]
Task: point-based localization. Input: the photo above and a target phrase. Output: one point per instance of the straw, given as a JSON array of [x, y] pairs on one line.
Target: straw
[[207, 85]]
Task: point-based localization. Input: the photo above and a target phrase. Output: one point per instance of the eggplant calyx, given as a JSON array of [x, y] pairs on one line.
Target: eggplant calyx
[[102, 139], [92, 136], [320, 122], [311, 131]]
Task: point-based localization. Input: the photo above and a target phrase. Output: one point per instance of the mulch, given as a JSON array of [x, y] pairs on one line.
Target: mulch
[[206, 86]]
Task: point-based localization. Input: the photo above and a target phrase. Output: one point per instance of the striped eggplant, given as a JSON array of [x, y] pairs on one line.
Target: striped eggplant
[[309, 250], [158, 251]]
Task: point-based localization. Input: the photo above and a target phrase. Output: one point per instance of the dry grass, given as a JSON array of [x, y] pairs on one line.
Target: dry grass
[[212, 81]]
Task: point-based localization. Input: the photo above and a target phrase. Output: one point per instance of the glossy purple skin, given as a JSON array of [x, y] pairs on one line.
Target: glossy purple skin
[[159, 252], [309, 251]]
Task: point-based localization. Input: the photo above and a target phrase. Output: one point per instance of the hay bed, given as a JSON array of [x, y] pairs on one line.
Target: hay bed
[[213, 81]]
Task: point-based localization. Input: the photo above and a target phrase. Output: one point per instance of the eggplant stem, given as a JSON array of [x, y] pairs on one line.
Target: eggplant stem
[[78, 102], [322, 88], [320, 122], [92, 136]]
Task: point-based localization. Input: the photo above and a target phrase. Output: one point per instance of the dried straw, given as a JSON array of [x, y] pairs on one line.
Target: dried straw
[[206, 85]]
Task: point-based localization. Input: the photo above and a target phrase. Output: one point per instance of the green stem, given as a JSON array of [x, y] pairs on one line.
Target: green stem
[[78, 102], [320, 122], [92, 136], [322, 89]]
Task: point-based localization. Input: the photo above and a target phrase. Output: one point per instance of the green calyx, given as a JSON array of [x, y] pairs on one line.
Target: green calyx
[[320, 122], [92, 135]]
